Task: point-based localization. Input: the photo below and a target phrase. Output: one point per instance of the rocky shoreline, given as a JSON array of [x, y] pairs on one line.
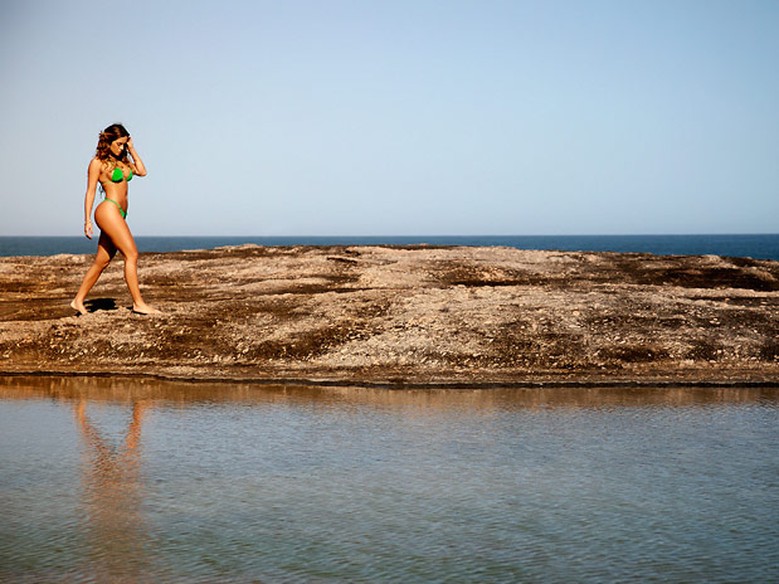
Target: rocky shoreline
[[401, 317]]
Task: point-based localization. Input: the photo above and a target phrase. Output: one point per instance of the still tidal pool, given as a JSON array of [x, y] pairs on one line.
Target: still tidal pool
[[147, 481]]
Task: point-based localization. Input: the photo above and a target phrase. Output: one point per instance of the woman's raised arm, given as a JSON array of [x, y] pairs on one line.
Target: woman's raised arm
[[138, 166]]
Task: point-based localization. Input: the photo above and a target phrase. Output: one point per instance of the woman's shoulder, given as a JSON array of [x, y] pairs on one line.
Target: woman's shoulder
[[97, 169], [96, 164]]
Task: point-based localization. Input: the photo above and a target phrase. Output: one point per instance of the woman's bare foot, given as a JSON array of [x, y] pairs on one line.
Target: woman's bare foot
[[145, 309], [78, 306]]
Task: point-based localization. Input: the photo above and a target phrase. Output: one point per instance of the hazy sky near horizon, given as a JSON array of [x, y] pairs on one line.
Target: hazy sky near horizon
[[403, 117]]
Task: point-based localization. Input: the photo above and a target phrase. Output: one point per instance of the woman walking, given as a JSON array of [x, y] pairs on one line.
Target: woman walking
[[115, 163]]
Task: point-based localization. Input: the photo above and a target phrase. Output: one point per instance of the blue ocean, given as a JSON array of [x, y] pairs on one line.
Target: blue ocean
[[757, 246]]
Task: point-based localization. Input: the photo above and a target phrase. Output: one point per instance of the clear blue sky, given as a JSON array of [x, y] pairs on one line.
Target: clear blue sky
[[369, 117]]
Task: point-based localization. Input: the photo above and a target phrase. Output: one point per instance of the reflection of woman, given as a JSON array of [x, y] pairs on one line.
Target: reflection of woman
[[113, 497], [115, 163]]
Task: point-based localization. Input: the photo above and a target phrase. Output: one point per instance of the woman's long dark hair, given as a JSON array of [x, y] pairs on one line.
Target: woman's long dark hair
[[111, 133]]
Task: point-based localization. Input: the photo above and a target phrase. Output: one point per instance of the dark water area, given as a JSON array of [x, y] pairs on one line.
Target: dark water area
[[146, 481], [763, 246]]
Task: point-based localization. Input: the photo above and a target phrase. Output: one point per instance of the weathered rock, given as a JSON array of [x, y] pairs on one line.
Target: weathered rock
[[401, 316]]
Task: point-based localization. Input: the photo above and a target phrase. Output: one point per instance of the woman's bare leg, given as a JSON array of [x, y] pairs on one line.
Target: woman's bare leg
[[105, 253], [111, 223]]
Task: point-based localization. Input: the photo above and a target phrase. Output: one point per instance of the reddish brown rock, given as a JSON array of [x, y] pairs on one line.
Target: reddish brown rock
[[401, 316]]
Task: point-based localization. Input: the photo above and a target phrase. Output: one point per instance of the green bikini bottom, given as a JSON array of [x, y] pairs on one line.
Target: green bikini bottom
[[122, 212]]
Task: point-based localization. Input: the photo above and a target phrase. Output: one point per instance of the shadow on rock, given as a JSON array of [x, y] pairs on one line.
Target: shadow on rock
[[101, 304]]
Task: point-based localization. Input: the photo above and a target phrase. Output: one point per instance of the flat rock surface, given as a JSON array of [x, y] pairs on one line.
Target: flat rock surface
[[401, 316]]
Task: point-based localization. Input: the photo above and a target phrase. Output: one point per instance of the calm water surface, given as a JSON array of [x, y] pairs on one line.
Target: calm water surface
[[129, 481]]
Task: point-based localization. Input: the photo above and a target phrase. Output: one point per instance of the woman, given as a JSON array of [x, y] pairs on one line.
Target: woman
[[115, 163]]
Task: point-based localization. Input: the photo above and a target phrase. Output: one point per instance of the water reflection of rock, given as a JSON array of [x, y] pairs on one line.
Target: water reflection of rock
[[112, 497], [149, 392]]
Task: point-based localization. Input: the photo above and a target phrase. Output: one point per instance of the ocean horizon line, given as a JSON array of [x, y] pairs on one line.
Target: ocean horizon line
[[757, 246], [457, 235]]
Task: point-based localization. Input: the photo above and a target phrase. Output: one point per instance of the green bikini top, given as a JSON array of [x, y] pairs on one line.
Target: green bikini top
[[118, 176]]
